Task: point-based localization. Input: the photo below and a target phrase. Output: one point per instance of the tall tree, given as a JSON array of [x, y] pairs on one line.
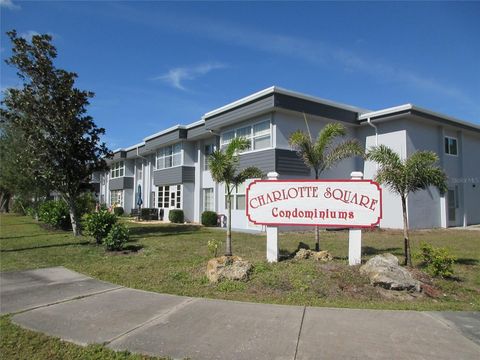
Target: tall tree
[[403, 177], [224, 167], [19, 177], [51, 114], [324, 152]]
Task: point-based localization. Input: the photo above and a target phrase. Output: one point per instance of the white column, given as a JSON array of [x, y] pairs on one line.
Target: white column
[[272, 232], [355, 235]]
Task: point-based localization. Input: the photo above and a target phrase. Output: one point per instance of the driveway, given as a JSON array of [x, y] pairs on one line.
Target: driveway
[[77, 308]]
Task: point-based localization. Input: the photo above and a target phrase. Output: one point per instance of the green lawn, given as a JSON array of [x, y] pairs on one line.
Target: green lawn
[[172, 259]]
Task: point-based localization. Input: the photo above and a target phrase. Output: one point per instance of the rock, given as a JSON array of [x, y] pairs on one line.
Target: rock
[[228, 267], [302, 254], [383, 270], [323, 256]]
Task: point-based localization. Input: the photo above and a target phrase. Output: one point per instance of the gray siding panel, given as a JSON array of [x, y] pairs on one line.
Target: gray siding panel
[[173, 176], [125, 182], [247, 110], [197, 131], [310, 107], [119, 155], [264, 160], [165, 139], [288, 163]]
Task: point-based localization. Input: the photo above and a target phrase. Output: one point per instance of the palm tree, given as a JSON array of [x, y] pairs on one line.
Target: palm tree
[[223, 166], [402, 177], [324, 152]]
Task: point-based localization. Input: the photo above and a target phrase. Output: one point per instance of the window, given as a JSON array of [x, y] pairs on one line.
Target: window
[[259, 135], [139, 174], [451, 146], [169, 196], [169, 156], [116, 198], [208, 200], [208, 150], [237, 197], [117, 170]]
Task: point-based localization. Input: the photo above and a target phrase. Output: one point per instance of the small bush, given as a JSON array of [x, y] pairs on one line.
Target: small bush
[[98, 224], [85, 204], [55, 214], [116, 238], [149, 214], [209, 218], [118, 210], [213, 247], [176, 216], [437, 261]]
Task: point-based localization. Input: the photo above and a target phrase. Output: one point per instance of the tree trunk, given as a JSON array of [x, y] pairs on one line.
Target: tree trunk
[[73, 217], [406, 240], [228, 245]]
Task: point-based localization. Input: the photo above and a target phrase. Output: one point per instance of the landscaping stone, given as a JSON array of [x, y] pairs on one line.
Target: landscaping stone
[[229, 268], [323, 256], [383, 270]]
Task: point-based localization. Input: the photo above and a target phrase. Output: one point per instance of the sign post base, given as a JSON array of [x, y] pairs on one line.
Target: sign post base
[[272, 232]]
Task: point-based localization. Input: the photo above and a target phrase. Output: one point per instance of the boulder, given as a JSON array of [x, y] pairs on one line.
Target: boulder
[[383, 270], [303, 253], [323, 256], [228, 267]]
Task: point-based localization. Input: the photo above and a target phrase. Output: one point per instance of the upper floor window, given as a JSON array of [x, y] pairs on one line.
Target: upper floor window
[[208, 150], [258, 135], [117, 169], [169, 156], [451, 146]]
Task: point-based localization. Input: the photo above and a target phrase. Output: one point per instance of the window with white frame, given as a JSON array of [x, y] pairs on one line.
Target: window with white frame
[[116, 198], [451, 146], [259, 135], [169, 156], [169, 196], [237, 197], [208, 204], [207, 151], [117, 170]]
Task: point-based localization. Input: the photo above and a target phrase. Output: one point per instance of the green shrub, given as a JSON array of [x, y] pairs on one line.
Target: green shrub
[[85, 204], [213, 247], [98, 224], [116, 238], [176, 216], [118, 210], [55, 214], [21, 206], [209, 218], [437, 261], [149, 214]]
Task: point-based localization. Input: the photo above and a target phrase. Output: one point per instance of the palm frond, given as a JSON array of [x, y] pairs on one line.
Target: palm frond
[[342, 151], [236, 146], [423, 172], [250, 172], [327, 135]]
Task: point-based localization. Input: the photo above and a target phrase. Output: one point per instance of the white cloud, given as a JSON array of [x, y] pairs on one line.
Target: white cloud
[[177, 76], [8, 4]]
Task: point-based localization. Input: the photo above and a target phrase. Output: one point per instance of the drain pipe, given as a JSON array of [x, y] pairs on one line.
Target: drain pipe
[[369, 121]]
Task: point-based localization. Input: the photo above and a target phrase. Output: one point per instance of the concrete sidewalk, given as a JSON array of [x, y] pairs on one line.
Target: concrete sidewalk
[[77, 308]]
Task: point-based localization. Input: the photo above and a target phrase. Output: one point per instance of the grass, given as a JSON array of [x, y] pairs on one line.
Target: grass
[[172, 259], [18, 343]]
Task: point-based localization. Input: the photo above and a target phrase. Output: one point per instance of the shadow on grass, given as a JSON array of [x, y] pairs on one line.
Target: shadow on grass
[[370, 250], [133, 247], [163, 229], [83, 243], [33, 235], [467, 261]]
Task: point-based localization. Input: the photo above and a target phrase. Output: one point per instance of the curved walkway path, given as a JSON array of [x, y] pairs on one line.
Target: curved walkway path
[[83, 310]]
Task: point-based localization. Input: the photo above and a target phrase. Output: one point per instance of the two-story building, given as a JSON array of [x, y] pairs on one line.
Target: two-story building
[[172, 170]]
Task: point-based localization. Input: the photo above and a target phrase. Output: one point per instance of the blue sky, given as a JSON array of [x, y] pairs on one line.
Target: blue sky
[[156, 64]]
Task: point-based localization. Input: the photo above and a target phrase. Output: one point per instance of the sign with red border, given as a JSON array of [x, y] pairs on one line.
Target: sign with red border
[[326, 203]]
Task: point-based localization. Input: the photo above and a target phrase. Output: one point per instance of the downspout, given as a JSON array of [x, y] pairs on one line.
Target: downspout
[[369, 121]]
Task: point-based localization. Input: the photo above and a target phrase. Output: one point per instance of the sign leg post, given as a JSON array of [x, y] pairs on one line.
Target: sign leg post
[[272, 232], [355, 235]]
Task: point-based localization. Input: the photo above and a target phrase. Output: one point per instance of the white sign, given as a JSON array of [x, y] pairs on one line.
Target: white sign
[[328, 203]]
